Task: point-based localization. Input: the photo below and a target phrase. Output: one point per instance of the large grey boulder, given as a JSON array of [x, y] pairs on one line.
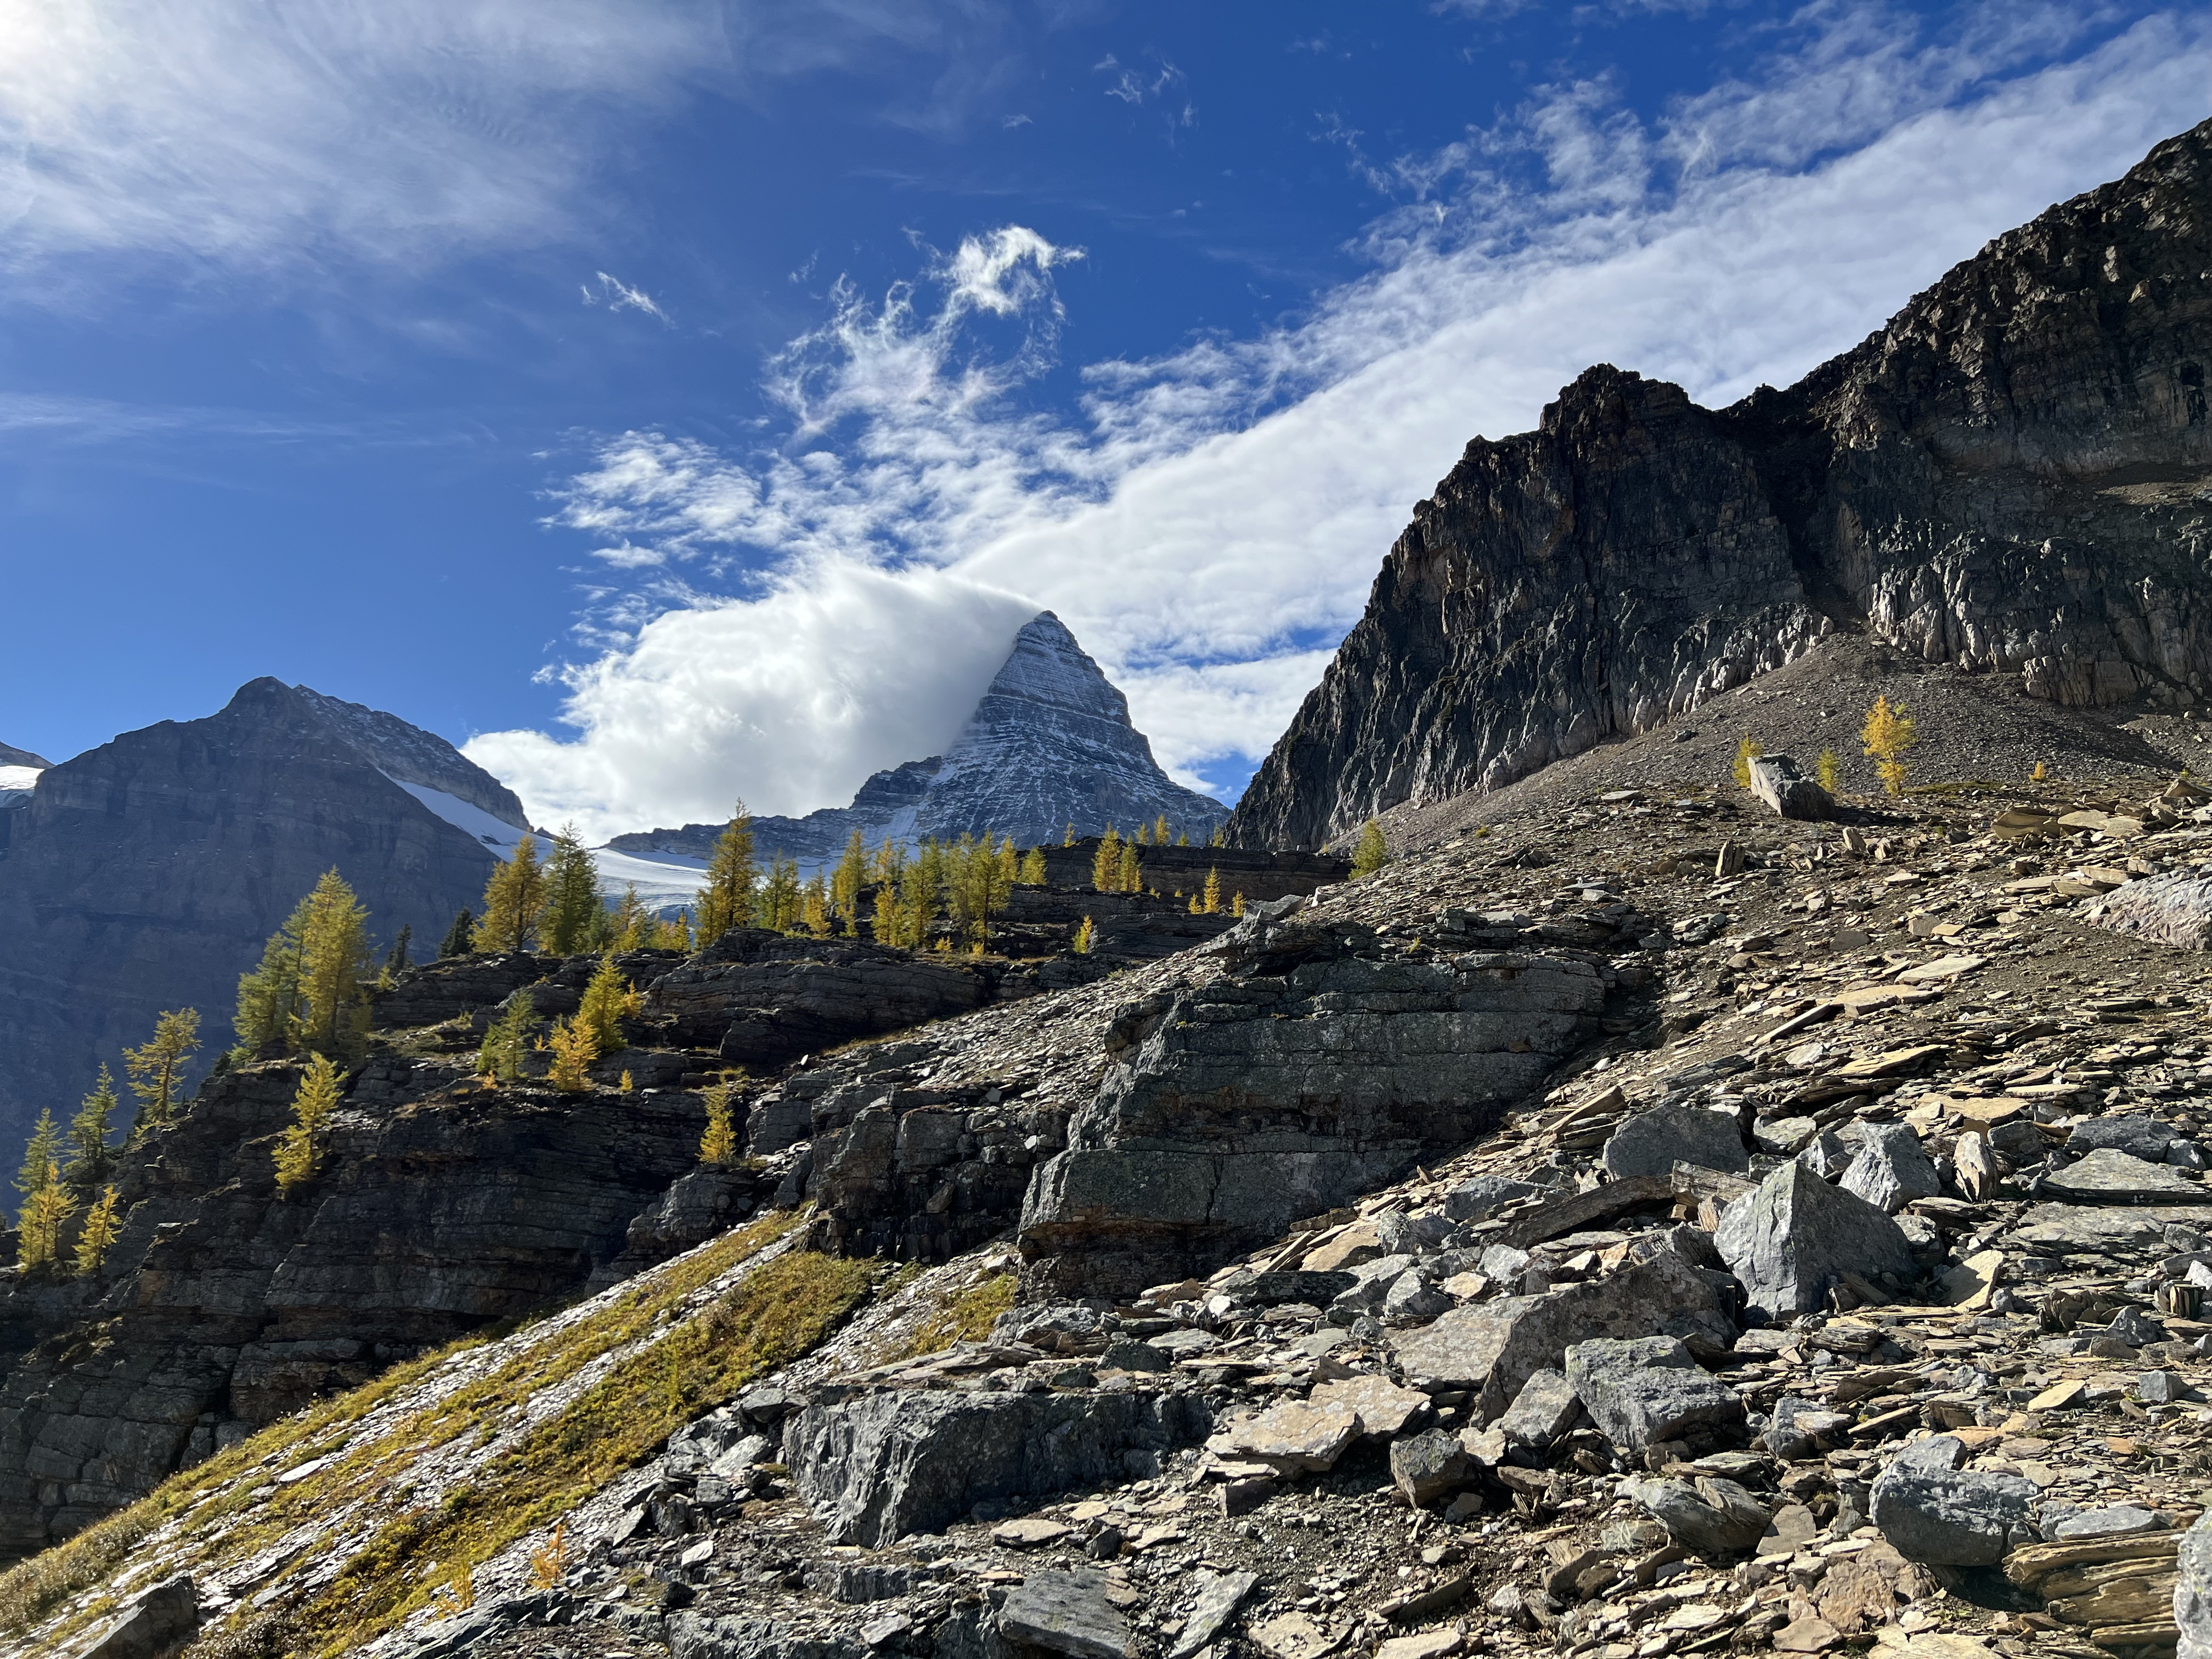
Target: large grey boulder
[[1930, 1509], [156, 1621], [2192, 1590], [1484, 1195], [1652, 1143], [1892, 1169], [1710, 1516], [2145, 1137], [1787, 1239], [1545, 1408], [1065, 1613], [1642, 1392], [883, 1465], [1497, 1347], [1776, 781]]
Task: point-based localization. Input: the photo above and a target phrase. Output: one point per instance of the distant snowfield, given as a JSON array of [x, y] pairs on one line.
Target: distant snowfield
[[664, 881], [16, 783]]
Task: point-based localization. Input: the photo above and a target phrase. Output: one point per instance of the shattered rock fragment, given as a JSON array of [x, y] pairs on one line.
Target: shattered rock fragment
[[1065, 1613], [1652, 1143], [1711, 1517], [1892, 1169], [1642, 1392], [1790, 1240], [1933, 1511]]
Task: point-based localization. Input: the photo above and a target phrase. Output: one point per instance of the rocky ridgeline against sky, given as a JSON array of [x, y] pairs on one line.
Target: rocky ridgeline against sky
[[2010, 476]]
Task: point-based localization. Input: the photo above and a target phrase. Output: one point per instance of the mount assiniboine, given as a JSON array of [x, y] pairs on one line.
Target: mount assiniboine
[[1050, 745]]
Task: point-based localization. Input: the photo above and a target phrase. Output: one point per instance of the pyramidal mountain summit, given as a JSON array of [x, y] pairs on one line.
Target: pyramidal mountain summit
[[1049, 747], [1725, 1167]]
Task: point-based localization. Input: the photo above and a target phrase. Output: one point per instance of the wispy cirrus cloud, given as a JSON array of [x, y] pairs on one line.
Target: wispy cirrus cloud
[[1210, 522]]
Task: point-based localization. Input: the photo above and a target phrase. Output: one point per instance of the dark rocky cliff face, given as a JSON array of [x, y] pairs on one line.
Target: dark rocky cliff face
[[2012, 475], [10, 756], [145, 874]]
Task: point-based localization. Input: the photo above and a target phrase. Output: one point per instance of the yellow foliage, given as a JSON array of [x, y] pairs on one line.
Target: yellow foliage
[[2042, 773], [299, 1152], [101, 1224], [719, 1143], [1889, 733], [1212, 891], [1746, 752], [575, 1048], [39, 1226], [549, 1565], [1082, 945], [1372, 853]]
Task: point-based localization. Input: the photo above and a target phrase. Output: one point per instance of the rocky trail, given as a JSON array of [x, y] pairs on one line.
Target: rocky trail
[[1827, 1272]]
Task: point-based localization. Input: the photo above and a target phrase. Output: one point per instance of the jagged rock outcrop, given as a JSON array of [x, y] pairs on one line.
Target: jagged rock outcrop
[[146, 873], [11, 755], [1320, 1067], [2010, 476], [1049, 745], [442, 1208]]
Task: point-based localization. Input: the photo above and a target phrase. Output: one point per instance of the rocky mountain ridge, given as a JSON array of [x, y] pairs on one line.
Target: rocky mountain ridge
[[2010, 476], [145, 874], [1049, 745]]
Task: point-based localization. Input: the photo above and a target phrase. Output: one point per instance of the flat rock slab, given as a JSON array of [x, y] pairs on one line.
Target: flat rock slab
[[1218, 1595], [1788, 1240], [1294, 1636], [1295, 1436], [1640, 1393], [1932, 1511], [1383, 1407], [2108, 1175], [1066, 1612]]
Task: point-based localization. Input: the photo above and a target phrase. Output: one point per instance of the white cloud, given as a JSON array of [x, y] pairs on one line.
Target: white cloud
[[788, 698], [283, 135], [617, 295], [1214, 522]]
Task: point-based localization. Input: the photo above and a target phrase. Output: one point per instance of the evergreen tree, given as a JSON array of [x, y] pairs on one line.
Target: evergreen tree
[[1068, 840], [1828, 771], [629, 923], [1033, 871], [979, 883], [1144, 836], [268, 997], [336, 963], [845, 885], [395, 959], [156, 1066], [1236, 904], [719, 1143], [889, 918], [1160, 831], [925, 897], [1212, 891], [729, 900], [814, 907], [460, 938], [1081, 945], [507, 1041], [300, 1150], [1010, 861], [514, 902], [1372, 853], [1106, 863], [1131, 878], [39, 1227], [101, 1224], [608, 999], [890, 863], [91, 1158], [779, 897], [41, 1158], [1182, 837], [573, 900], [1220, 835], [673, 933]]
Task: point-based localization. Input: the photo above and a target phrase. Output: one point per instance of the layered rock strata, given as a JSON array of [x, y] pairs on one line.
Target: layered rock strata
[[2010, 476]]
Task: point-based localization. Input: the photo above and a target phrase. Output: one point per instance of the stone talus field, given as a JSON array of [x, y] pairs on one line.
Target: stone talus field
[[2008, 477]]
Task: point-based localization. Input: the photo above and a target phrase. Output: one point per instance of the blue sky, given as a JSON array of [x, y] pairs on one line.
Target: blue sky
[[682, 402]]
